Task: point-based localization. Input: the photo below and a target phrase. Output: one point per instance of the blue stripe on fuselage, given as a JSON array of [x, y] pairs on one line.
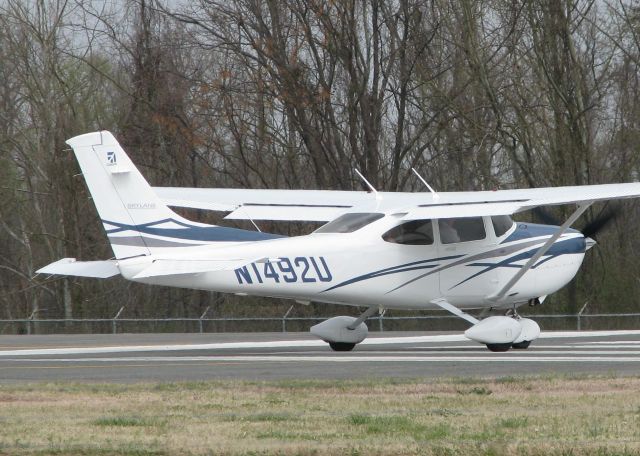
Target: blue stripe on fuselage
[[563, 247], [193, 232], [413, 266]]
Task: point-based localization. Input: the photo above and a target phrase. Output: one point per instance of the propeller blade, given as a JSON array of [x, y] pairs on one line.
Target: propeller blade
[[601, 221], [592, 228]]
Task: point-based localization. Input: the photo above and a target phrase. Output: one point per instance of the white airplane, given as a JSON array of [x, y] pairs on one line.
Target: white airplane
[[453, 251]]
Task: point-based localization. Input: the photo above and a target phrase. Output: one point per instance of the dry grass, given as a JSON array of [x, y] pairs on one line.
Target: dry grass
[[511, 416]]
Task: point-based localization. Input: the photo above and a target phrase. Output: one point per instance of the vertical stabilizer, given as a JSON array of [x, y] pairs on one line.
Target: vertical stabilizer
[[136, 220], [124, 199]]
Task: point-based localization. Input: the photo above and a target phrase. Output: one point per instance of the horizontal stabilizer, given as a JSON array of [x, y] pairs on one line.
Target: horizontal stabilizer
[[71, 267], [166, 267]]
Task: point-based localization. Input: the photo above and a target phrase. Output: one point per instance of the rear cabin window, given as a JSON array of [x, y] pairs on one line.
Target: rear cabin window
[[415, 232], [454, 230], [501, 224], [348, 223]]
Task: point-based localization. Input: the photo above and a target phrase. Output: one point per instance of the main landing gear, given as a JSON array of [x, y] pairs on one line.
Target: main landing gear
[[341, 346], [343, 333], [498, 333]]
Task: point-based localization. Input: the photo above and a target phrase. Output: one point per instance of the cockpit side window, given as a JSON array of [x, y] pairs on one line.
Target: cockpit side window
[[348, 223], [415, 232], [501, 224], [466, 229]]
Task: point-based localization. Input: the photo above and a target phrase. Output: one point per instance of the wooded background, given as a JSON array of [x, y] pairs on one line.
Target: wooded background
[[296, 94]]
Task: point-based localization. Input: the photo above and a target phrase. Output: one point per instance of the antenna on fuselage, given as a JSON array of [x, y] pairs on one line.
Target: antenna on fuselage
[[433, 192], [375, 192]]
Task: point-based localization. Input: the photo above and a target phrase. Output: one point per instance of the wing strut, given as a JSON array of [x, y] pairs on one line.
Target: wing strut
[[545, 247]]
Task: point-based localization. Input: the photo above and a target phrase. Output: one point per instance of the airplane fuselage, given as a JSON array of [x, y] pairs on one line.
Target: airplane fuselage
[[362, 269], [450, 250]]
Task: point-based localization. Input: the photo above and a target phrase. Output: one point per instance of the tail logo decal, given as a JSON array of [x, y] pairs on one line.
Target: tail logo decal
[[141, 206], [111, 158]]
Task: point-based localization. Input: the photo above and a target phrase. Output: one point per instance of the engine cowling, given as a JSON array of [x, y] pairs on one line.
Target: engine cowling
[[495, 330], [336, 330]]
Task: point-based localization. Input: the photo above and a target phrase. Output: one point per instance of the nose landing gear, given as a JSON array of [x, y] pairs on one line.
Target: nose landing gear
[[498, 333], [530, 331]]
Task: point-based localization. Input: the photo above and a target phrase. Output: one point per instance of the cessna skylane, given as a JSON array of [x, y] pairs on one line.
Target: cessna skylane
[[455, 251]]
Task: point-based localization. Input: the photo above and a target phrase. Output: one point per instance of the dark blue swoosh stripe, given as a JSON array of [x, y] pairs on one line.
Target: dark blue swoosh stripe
[[193, 232], [568, 246], [413, 266], [532, 230]]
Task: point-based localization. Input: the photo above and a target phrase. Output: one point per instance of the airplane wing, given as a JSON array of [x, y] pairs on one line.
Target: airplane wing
[[325, 205], [258, 204]]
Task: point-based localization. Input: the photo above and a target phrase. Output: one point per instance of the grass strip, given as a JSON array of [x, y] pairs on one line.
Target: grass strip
[[504, 416]]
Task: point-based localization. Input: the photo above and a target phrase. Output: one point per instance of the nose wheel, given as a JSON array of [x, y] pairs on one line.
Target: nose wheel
[[498, 348], [521, 345], [341, 346]]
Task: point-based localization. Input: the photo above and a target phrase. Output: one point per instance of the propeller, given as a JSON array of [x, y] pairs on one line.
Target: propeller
[[601, 221], [592, 228]]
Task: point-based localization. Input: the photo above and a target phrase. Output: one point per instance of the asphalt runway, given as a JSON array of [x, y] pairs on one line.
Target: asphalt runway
[[126, 358]]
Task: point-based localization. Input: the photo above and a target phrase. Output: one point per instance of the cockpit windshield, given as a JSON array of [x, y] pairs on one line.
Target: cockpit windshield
[[501, 224], [348, 223]]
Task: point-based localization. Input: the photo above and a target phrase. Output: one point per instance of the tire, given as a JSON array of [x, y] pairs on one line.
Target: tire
[[499, 347], [341, 346], [521, 345]]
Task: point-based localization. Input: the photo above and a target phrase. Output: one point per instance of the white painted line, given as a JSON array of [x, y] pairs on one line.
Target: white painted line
[[578, 334], [613, 345], [499, 358], [530, 351], [224, 345], [618, 342], [460, 337], [534, 346], [282, 344], [415, 339], [144, 348]]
